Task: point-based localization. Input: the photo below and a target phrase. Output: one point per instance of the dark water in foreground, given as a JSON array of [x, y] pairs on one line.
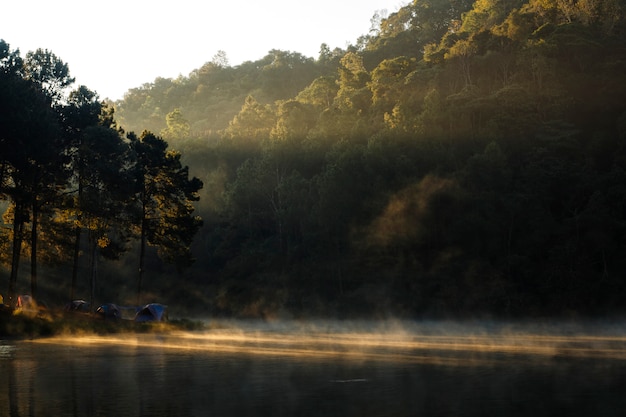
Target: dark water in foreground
[[324, 369]]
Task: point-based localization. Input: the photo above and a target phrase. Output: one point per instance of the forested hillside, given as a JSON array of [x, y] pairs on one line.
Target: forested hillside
[[463, 158]]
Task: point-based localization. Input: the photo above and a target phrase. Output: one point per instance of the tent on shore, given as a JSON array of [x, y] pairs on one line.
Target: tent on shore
[[81, 306], [109, 311], [152, 312]]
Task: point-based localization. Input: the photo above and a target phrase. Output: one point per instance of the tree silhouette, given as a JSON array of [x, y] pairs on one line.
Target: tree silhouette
[[165, 196]]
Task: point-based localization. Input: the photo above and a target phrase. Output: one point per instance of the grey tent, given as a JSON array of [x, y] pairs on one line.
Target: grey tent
[[78, 305]]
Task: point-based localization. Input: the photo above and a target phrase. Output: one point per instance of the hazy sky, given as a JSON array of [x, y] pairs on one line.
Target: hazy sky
[[115, 45]]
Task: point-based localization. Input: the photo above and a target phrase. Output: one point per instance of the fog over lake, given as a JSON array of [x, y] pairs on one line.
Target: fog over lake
[[254, 368]]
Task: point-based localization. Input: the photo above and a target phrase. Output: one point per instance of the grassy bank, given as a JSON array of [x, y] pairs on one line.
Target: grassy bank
[[18, 324]]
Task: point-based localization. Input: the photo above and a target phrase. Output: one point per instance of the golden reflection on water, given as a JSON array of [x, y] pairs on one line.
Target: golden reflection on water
[[455, 349]]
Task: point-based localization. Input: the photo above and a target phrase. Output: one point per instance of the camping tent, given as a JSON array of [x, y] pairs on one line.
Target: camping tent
[[26, 302], [109, 311], [78, 305], [152, 312]]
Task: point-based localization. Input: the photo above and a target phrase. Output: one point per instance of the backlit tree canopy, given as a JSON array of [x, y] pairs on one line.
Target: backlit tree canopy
[[66, 170]]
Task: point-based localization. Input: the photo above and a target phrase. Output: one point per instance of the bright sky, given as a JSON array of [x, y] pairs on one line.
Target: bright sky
[[114, 45]]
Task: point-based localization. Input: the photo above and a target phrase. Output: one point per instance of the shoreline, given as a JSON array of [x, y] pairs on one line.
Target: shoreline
[[27, 325]]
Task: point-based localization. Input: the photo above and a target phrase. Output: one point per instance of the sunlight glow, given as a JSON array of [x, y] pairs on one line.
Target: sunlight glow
[[452, 350]]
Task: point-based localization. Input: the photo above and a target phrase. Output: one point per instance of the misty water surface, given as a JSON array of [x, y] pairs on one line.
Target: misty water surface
[[323, 369]]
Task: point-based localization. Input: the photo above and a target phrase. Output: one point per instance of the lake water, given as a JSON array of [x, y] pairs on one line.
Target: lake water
[[323, 369]]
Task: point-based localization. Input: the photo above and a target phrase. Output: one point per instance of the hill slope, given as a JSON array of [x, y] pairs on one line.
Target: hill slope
[[468, 158]]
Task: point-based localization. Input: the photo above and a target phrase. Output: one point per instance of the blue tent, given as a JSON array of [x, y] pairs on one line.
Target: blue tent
[[152, 312], [109, 311]]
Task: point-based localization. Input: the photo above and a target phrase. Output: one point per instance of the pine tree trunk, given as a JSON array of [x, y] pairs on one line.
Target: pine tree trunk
[[18, 225], [77, 235], [142, 255], [93, 261], [33, 252]]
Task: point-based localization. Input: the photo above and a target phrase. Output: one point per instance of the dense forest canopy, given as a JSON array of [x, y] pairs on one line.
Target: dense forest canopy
[[464, 157]]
